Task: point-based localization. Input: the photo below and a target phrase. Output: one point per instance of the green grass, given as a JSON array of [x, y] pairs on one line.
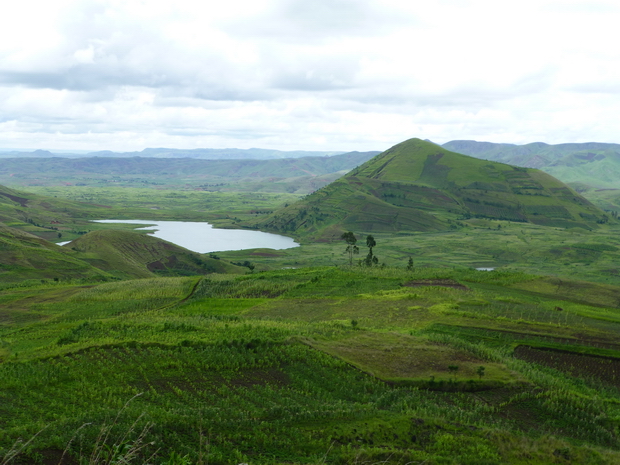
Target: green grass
[[316, 365]]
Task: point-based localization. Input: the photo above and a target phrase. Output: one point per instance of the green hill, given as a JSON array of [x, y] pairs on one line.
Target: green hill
[[419, 186], [45, 216], [25, 256], [592, 163], [100, 254], [28, 222], [128, 254]]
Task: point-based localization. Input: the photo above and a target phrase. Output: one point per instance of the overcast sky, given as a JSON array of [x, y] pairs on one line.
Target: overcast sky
[[306, 75]]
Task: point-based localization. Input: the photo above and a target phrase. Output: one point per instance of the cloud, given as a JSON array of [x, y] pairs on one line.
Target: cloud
[[329, 74]]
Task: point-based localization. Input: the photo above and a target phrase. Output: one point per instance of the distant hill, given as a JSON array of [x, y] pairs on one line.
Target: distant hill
[[204, 154], [420, 186], [100, 254], [27, 224], [43, 216], [132, 255], [25, 256], [209, 174], [593, 163]]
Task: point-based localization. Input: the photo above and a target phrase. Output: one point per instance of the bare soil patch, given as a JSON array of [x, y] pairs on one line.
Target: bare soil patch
[[437, 282], [605, 369]]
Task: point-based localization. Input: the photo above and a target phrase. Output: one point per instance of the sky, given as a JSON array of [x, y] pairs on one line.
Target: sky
[[337, 75]]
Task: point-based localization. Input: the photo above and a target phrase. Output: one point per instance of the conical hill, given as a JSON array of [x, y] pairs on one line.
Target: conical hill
[[420, 186]]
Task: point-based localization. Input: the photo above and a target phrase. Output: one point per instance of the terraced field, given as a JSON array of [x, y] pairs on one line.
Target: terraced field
[[316, 365]]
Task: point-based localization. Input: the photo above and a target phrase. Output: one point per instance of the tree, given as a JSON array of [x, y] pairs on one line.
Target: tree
[[410, 264], [351, 249], [480, 371], [370, 258]]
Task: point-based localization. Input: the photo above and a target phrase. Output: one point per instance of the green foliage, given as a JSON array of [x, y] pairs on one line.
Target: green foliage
[[351, 249], [371, 259]]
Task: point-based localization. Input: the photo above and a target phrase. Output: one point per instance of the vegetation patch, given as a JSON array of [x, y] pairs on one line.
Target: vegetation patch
[[439, 282], [399, 358]]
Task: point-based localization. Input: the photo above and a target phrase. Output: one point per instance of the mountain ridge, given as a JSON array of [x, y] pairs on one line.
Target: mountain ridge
[[593, 163], [200, 153], [207, 174]]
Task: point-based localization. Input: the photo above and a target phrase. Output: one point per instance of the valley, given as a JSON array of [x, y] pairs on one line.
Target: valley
[[120, 347]]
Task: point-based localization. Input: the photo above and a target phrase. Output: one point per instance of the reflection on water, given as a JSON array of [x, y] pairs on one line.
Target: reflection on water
[[204, 238]]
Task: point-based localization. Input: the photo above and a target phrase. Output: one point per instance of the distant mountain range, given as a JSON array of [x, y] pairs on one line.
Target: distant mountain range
[[300, 175], [203, 154], [592, 163]]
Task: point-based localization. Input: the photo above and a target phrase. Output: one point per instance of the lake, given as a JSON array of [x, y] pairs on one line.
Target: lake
[[203, 237]]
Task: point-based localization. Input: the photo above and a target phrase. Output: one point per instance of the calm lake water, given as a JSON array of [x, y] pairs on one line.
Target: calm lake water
[[204, 238]]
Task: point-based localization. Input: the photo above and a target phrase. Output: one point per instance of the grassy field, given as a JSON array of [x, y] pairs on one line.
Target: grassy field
[[314, 365]]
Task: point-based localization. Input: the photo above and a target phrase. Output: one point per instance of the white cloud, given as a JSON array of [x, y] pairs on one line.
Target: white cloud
[[292, 74]]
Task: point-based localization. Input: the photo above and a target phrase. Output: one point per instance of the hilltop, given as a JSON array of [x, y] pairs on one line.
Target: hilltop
[[419, 186]]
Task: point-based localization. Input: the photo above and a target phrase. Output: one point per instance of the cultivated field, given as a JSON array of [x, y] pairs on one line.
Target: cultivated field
[[316, 365]]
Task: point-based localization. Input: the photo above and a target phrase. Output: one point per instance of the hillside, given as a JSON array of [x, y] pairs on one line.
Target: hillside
[[45, 216], [100, 255], [313, 366], [29, 222], [420, 186], [127, 254], [25, 256], [595, 164]]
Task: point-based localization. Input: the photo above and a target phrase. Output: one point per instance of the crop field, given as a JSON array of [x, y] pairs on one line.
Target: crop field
[[313, 365]]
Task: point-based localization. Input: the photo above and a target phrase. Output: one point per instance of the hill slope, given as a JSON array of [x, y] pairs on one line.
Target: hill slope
[[25, 256], [42, 215], [419, 186], [128, 254], [592, 163]]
